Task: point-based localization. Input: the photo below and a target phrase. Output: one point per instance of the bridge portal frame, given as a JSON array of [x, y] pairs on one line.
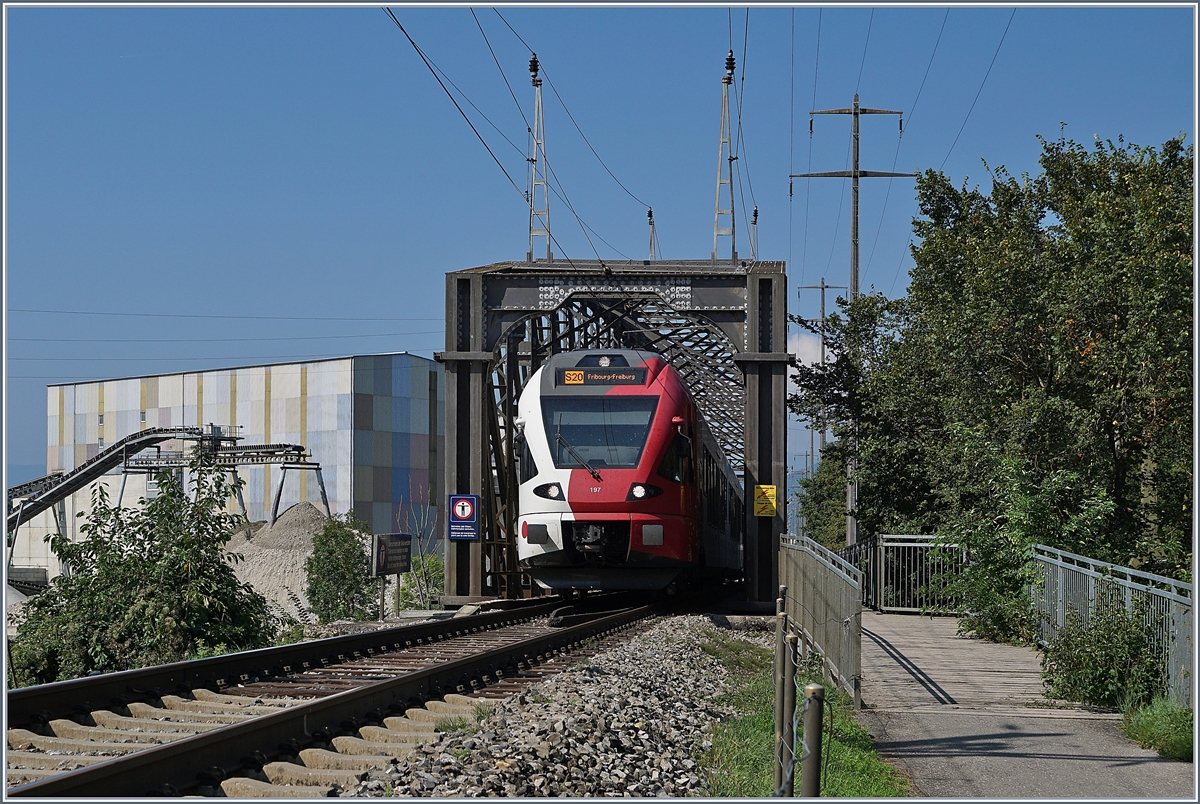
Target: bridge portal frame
[[722, 324]]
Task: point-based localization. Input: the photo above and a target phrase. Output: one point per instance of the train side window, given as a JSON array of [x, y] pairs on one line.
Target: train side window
[[673, 466], [528, 468]]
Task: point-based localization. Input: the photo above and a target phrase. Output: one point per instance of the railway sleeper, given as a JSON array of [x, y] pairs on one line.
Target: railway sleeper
[[55, 762], [111, 720], [322, 759], [69, 729], [381, 734], [408, 725], [208, 696], [19, 776], [242, 787], [145, 710], [293, 774], [21, 739], [206, 707], [358, 747]]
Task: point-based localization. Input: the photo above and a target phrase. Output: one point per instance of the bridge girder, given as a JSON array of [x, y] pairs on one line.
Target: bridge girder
[[722, 326]]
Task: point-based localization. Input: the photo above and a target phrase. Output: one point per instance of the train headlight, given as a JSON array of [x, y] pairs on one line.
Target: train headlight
[[551, 491], [643, 491]]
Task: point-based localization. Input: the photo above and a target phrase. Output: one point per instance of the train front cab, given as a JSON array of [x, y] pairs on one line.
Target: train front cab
[[610, 497]]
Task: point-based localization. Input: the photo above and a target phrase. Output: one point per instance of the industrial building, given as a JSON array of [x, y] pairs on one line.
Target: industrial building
[[373, 423]]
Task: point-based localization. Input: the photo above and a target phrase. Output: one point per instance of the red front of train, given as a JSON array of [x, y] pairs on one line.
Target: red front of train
[[609, 495]]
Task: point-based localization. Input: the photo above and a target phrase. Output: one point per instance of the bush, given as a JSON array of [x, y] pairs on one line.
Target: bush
[[146, 585], [425, 581], [1106, 662], [339, 582]]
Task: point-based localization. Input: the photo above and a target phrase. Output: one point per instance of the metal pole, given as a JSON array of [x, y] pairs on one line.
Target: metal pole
[[854, 204], [278, 495], [324, 496], [789, 712], [810, 770]]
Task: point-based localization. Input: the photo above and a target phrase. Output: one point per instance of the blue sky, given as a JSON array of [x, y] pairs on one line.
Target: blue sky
[[302, 163]]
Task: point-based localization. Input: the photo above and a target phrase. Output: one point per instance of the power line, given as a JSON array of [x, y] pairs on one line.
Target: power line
[[225, 317], [900, 140], [921, 88], [222, 340], [981, 84], [791, 131], [867, 41], [291, 358], [808, 183]]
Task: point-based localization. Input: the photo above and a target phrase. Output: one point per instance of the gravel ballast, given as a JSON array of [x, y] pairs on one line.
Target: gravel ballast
[[629, 721]]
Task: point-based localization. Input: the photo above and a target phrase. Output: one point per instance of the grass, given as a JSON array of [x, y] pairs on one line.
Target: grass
[[1164, 726], [454, 725], [741, 762]]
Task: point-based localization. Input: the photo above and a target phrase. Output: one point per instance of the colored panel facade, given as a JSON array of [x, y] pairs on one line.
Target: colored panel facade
[[373, 422]]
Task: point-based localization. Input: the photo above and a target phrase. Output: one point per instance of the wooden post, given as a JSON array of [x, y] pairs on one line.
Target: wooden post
[[780, 648], [810, 771], [789, 713]]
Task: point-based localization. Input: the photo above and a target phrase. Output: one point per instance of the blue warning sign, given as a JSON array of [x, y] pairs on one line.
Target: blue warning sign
[[463, 518]]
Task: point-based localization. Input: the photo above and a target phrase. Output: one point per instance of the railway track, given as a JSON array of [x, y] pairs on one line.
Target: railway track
[[289, 721]]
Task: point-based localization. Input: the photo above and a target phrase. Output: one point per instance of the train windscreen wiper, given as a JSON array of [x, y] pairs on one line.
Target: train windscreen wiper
[[558, 436]]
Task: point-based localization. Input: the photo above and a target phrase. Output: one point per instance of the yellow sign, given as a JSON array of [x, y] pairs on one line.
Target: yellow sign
[[764, 501], [573, 377]]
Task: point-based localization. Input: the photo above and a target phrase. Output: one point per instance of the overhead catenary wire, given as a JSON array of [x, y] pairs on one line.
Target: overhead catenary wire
[[529, 130], [560, 190], [455, 102], [571, 117], [450, 95]]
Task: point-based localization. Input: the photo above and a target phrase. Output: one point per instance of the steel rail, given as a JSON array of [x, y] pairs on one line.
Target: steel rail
[[44, 702], [206, 758]]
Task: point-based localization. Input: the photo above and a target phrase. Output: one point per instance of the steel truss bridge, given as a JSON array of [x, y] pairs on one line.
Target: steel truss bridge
[[722, 325]]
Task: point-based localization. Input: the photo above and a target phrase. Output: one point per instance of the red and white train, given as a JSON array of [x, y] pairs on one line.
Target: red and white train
[[622, 484]]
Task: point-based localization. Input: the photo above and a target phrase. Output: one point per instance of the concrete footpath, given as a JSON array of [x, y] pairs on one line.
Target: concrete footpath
[[966, 718]]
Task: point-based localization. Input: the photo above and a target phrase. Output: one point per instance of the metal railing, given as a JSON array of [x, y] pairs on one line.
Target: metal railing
[[903, 573], [824, 608], [1067, 582]]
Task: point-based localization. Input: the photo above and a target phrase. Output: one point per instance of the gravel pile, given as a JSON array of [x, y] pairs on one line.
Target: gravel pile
[[630, 721], [274, 558]]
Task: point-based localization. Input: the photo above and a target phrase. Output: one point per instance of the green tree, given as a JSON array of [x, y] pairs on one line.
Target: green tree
[[338, 573], [1035, 384], [146, 585]]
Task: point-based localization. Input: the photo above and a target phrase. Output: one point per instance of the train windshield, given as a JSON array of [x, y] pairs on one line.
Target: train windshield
[[599, 430]]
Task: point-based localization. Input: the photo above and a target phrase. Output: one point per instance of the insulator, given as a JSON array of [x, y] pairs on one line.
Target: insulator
[[810, 125], [730, 63], [755, 218], [650, 214], [901, 125], [533, 66]]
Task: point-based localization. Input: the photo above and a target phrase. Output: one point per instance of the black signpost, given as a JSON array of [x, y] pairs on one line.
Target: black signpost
[[391, 554]]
